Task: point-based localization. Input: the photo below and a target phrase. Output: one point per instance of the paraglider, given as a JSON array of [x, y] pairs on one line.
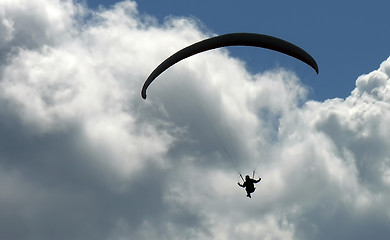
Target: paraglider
[[232, 39], [249, 185]]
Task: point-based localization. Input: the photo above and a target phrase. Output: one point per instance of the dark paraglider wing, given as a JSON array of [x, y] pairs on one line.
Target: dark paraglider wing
[[232, 39]]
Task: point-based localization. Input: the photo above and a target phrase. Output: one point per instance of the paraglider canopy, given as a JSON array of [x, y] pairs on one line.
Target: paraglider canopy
[[232, 39]]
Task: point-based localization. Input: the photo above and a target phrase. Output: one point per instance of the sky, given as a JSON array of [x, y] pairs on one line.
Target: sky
[[83, 156], [346, 39]]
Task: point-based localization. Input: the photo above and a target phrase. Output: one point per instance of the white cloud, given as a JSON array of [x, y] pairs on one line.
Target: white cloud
[[82, 156]]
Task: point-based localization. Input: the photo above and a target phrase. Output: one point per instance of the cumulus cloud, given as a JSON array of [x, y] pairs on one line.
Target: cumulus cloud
[[82, 156]]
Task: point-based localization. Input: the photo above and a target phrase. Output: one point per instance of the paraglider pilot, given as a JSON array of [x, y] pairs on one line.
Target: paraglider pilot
[[249, 185]]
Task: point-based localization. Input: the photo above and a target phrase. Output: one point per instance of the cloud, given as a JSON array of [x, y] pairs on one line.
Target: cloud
[[82, 156]]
